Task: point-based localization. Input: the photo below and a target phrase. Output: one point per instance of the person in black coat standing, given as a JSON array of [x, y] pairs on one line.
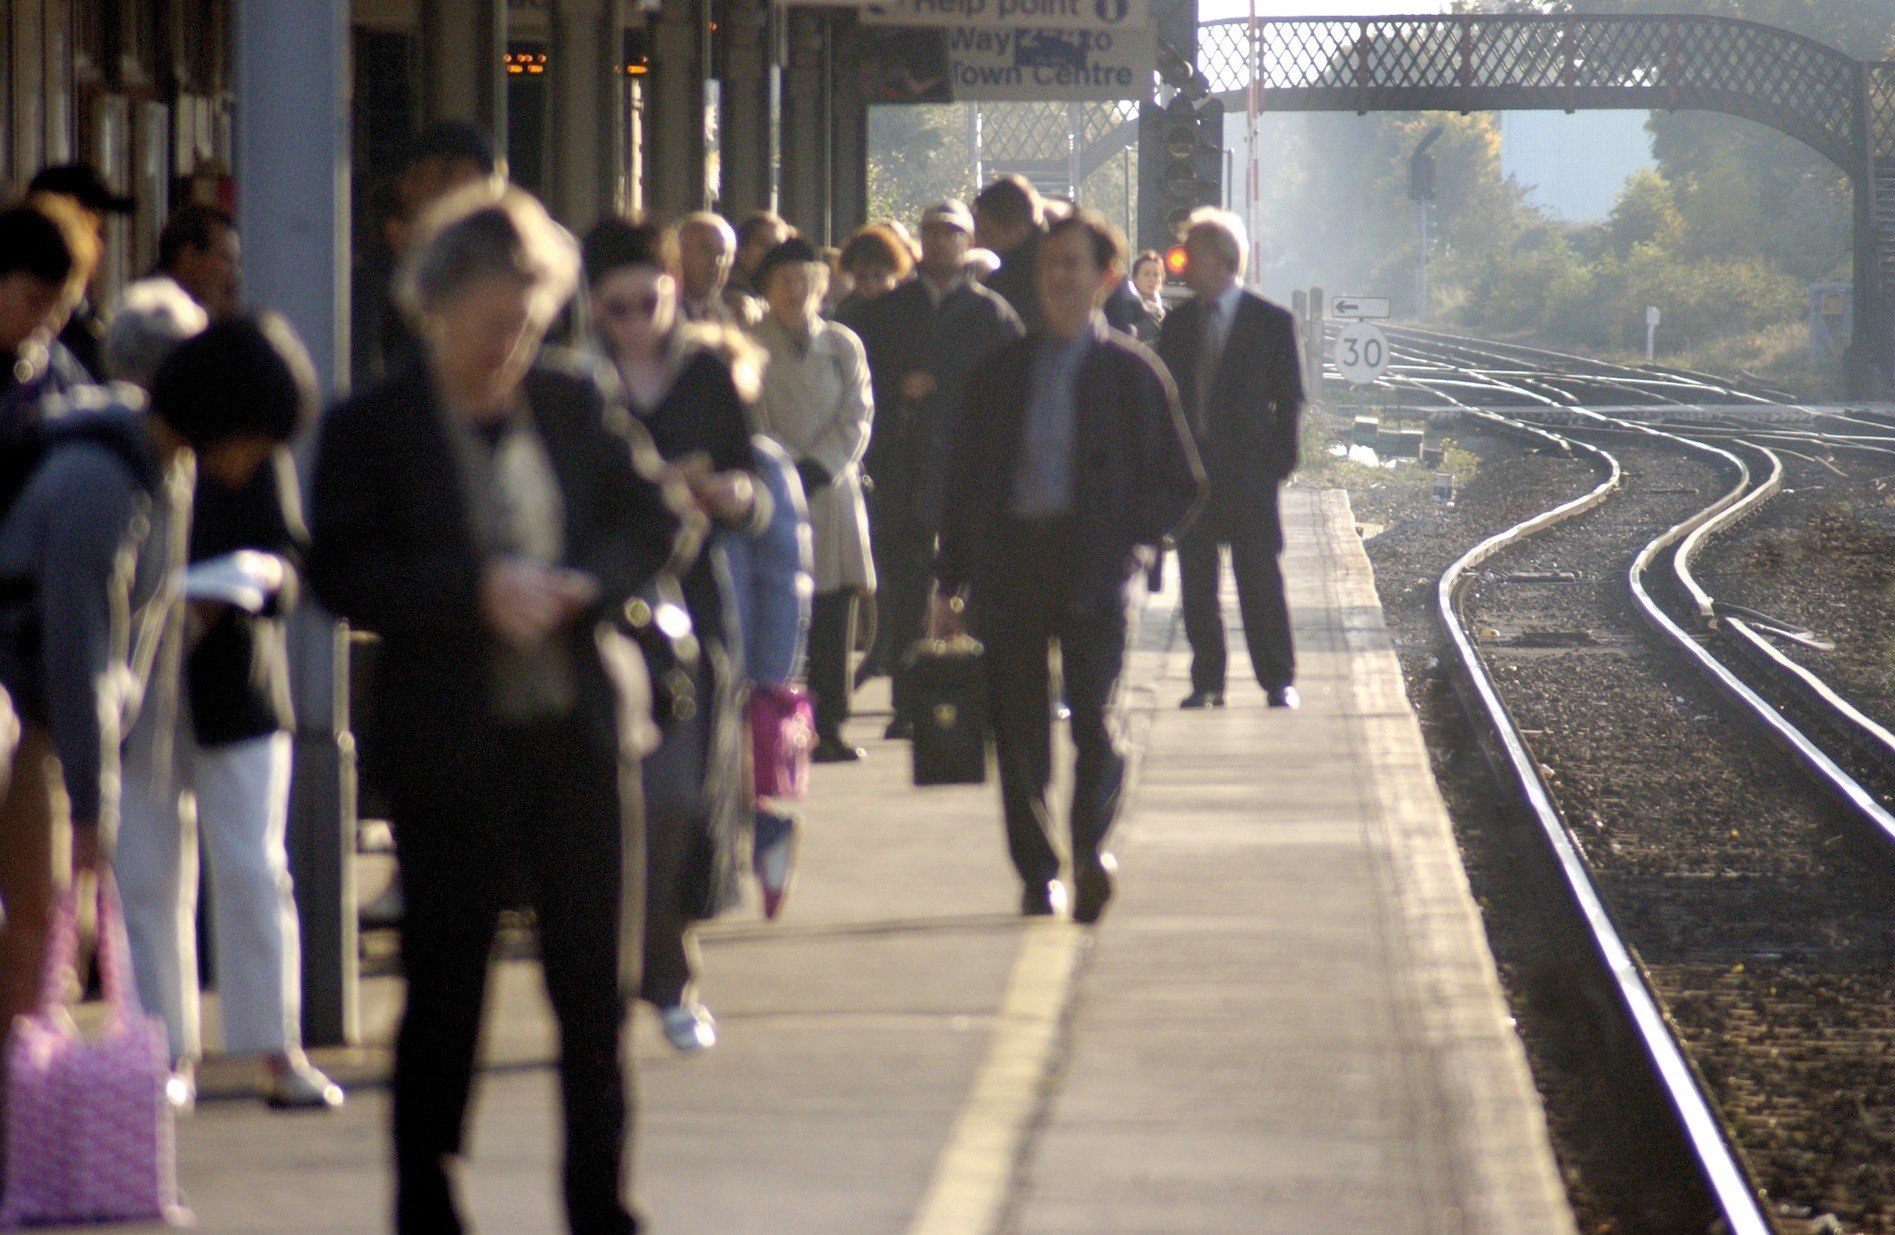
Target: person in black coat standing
[[923, 340], [1010, 221], [481, 513], [1234, 356], [1069, 461]]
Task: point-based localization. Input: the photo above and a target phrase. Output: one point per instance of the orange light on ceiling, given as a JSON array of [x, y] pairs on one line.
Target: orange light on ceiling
[[1175, 259]]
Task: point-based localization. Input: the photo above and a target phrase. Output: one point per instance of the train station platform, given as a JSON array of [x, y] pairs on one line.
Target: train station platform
[[1287, 1021]]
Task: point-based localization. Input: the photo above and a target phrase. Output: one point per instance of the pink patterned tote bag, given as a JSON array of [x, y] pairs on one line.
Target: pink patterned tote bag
[[90, 1137], [782, 733]]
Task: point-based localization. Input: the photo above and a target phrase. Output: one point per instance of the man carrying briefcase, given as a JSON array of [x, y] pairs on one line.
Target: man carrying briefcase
[[1069, 459]]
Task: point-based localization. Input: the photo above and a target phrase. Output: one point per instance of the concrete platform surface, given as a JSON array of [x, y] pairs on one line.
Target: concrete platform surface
[[1288, 1021]]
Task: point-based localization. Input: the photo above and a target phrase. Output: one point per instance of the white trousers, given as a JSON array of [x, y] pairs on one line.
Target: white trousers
[[238, 795]]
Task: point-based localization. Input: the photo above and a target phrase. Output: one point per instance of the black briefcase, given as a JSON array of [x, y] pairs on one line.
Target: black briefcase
[[947, 691]]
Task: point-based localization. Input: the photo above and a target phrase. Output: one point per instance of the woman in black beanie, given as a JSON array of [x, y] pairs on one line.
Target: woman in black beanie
[[232, 733]]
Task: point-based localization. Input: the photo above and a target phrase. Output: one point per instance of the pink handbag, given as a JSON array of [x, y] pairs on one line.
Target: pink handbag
[[782, 733], [90, 1137]]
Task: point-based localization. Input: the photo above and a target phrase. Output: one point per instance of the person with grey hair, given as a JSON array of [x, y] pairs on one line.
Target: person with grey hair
[[154, 316], [706, 247], [1235, 357], [487, 516]]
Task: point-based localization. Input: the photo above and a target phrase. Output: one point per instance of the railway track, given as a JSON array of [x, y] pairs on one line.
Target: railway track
[[1730, 891]]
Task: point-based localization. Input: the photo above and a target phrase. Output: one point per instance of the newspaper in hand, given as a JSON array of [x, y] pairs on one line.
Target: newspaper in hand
[[247, 580]]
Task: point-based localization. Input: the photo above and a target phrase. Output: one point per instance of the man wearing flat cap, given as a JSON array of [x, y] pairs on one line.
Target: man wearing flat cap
[[923, 338], [81, 184]]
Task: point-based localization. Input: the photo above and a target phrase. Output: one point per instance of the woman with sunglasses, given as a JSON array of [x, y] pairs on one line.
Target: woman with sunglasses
[[689, 386]]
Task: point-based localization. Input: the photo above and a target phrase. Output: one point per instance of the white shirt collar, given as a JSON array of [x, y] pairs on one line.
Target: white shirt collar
[[1226, 300]]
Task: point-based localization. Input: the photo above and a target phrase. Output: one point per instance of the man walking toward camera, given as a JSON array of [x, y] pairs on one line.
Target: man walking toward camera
[[1233, 355], [1068, 461]]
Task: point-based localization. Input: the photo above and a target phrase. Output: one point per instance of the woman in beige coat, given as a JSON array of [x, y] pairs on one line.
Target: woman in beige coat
[[816, 405]]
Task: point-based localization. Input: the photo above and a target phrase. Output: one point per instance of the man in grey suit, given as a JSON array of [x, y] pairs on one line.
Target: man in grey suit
[[1234, 357]]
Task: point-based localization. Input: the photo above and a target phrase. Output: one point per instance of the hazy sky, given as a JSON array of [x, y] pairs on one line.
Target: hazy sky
[[1209, 10]]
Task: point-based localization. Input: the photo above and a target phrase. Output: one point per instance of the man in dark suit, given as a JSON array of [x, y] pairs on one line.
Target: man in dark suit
[[1234, 357], [1068, 461]]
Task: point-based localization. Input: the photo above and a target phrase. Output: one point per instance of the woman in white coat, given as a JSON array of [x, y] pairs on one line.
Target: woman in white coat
[[816, 405]]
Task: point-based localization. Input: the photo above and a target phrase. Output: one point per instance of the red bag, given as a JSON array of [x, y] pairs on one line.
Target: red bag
[[782, 733]]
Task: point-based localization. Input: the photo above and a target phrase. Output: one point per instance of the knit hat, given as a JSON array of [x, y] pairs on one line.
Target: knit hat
[[792, 252], [243, 376]]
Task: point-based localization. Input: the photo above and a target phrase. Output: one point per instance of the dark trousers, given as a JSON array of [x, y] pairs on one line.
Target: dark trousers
[[1019, 617], [552, 813], [675, 806], [1260, 599], [831, 639]]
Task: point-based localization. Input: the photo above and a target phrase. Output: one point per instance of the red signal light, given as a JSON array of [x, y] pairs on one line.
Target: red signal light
[[1175, 260]]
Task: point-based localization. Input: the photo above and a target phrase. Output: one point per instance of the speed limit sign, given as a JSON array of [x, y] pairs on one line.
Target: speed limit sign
[[1361, 353]]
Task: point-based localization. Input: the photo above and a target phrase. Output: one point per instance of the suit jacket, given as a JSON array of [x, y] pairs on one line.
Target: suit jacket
[[1248, 434], [1135, 473], [391, 552]]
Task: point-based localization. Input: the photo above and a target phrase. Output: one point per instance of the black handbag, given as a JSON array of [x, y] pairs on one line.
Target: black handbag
[[947, 684], [659, 623]]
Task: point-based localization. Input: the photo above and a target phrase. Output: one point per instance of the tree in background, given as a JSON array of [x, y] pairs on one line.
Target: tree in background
[[918, 154]]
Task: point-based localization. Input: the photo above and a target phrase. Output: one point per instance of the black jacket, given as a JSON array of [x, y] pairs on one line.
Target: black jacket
[[238, 671], [1016, 281], [1135, 474], [390, 552], [905, 332], [1126, 313], [1249, 439]]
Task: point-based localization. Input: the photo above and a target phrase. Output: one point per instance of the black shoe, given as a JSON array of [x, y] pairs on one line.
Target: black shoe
[[835, 750], [901, 729], [1284, 697], [1043, 900], [868, 671], [1203, 699], [1092, 888]]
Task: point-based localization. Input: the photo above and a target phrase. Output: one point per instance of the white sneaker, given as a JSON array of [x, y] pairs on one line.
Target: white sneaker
[[689, 1027]]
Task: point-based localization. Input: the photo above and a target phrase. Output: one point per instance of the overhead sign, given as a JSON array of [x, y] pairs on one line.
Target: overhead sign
[[1361, 352], [989, 64], [1017, 14], [1359, 306]]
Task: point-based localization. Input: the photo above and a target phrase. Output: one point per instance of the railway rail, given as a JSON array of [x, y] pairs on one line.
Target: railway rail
[[1732, 894]]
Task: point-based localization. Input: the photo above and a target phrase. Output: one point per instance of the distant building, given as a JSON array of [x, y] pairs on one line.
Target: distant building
[[1574, 165]]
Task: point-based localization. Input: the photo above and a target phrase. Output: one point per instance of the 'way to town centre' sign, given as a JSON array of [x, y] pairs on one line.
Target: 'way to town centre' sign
[[987, 64], [1016, 14]]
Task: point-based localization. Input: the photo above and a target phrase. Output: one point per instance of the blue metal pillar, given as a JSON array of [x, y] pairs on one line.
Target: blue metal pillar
[[293, 72]]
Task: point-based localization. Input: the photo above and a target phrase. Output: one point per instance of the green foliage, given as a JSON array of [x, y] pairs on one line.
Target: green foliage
[[918, 154]]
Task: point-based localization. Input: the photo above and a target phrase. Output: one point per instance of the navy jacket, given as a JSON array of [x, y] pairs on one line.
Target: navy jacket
[[1135, 474]]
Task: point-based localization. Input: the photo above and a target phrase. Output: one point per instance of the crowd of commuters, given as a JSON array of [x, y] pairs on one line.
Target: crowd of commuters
[[598, 500]]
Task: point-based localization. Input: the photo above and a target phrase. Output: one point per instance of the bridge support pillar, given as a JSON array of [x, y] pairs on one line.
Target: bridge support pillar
[[806, 125], [1870, 357], [742, 51], [463, 63], [588, 111], [674, 163]]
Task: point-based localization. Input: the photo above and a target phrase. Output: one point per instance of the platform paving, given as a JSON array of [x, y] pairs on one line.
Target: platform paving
[[1287, 1022]]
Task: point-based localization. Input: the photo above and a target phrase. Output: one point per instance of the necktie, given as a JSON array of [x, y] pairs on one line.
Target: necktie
[[1209, 353]]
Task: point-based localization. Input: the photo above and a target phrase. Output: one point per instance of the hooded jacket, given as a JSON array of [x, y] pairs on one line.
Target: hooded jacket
[[91, 551]]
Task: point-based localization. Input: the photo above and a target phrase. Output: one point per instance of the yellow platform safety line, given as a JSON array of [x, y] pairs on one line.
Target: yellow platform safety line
[[974, 1175]]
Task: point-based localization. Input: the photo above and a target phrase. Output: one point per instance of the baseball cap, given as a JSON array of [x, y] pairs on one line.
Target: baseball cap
[[82, 183], [949, 212]]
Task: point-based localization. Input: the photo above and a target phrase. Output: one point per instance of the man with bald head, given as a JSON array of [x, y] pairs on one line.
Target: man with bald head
[[706, 248], [1234, 357]]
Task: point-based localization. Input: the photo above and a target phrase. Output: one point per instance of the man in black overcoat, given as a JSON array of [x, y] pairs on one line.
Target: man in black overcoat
[[923, 338], [1068, 462], [1234, 357]]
